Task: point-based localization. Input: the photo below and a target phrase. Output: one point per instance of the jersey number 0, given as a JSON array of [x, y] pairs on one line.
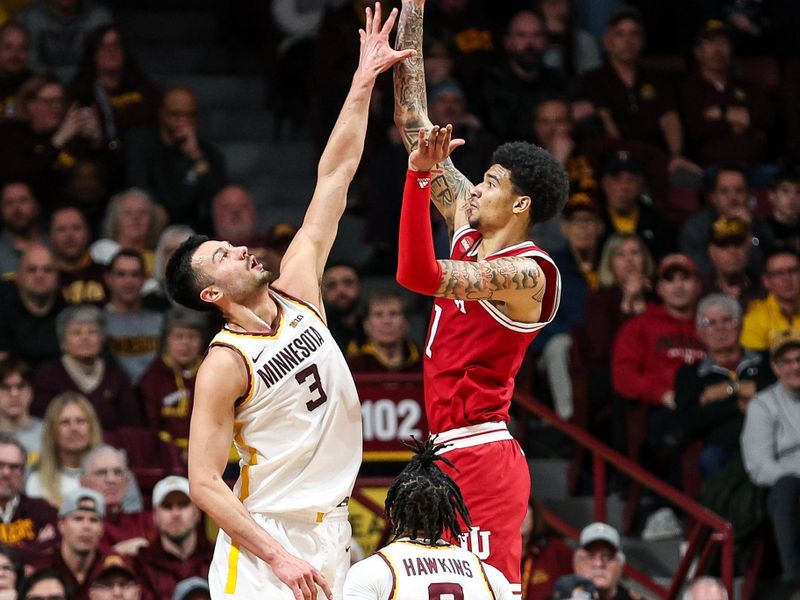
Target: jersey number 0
[[445, 591]]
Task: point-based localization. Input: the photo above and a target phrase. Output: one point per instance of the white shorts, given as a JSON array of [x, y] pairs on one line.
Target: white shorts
[[236, 573]]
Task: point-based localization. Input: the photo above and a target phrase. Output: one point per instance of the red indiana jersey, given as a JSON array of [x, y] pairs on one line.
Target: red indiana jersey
[[473, 351]]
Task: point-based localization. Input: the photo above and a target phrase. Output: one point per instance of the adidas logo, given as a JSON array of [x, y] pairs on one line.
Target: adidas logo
[[424, 182]]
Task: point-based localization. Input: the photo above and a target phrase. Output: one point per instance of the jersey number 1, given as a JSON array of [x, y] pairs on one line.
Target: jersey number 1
[[445, 591], [437, 314], [314, 386]]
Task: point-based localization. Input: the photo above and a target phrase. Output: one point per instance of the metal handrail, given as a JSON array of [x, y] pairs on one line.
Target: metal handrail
[[721, 530]]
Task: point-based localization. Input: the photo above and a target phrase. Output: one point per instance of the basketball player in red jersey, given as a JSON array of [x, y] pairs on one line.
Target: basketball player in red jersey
[[493, 295]]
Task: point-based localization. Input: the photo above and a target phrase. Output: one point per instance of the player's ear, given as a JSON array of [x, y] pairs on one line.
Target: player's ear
[[521, 204], [211, 294]]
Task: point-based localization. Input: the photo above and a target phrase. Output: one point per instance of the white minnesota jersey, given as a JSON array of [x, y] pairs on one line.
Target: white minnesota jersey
[[409, 570], [298, 427]]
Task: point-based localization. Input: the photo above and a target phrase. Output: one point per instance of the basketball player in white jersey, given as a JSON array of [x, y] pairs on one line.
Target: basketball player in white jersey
[[423, 503], [275, 380]]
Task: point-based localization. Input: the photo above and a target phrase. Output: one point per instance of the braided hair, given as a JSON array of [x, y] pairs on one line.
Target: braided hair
[[423, 501]]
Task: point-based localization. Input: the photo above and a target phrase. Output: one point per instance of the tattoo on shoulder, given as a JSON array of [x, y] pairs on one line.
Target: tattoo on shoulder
[[483, 280]]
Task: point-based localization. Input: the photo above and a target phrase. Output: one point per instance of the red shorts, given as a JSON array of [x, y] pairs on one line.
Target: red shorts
[[496, 485]]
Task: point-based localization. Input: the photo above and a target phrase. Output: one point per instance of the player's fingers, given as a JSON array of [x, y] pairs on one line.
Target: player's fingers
[[305, 592], [442, 139], [387, 27], [368, 24], [376, 19], [421, 141], [362, 35], [320, 581], [404, 54]]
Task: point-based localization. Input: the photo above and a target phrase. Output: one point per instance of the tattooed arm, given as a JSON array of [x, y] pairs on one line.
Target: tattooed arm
[[449, 188]]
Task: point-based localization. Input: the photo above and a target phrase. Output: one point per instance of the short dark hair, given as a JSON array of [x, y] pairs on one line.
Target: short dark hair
[[780, 251], [14, 365], [44, 575], [184, 283], [786, 174], [424, 500], [385, 294], [728, 167], [129, 253], [535, 173]]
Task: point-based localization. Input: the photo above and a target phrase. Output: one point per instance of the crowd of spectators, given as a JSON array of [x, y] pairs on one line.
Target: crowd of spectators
[[678, 252]]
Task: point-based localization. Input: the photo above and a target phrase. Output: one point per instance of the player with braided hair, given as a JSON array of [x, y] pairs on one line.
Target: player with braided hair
[[422, 505]]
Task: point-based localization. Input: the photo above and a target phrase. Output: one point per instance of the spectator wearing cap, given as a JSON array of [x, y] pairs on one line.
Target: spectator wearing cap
[[27, 525], [515, 85], [193, 588], [729, 241], [636, 103], [784, 199], [114, 578], [179, 551], [30, 307], [726, 118], [80, 523], [780, 309], [167, 386], [126, 528], [729, 197], [81, 279], [600, 559], [582, 227], [711, 397], [651, 347], [626, 210], [771, 447], [574, 587]]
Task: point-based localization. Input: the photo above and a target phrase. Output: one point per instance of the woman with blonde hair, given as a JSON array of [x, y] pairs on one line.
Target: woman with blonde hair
[[71, 429]]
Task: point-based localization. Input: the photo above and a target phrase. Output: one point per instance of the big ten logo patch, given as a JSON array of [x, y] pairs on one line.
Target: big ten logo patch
[[477, 542], [366, 517]]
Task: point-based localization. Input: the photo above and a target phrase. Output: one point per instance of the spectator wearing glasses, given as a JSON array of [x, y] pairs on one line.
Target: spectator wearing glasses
[[712, 396], [45, 585], [16, 394], [780, 310], [27, 525], [771, 448], [600, 559]]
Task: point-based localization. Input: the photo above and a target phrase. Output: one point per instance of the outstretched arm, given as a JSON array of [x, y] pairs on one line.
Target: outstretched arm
[[306, 256], [517, 281], [449, 188]]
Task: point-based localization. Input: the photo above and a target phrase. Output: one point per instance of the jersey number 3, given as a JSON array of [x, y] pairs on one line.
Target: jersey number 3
[[445, 591], [315, 386]]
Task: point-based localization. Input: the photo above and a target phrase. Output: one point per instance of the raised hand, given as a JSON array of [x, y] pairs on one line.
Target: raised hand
[[376, 54], [433, 148]]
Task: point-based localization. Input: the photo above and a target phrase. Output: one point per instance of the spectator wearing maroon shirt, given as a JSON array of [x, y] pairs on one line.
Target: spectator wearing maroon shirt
[[82, 279], [546, 556], [167, 386], [726, 118], [114, 578], [728, 245], [80, 523], [180, 551], [104, 469], [27, 525], [81, 368], [14, 55], [636, 103]]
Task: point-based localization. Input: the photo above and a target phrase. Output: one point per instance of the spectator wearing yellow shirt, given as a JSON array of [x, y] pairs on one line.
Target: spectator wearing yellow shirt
[[780, 310]]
